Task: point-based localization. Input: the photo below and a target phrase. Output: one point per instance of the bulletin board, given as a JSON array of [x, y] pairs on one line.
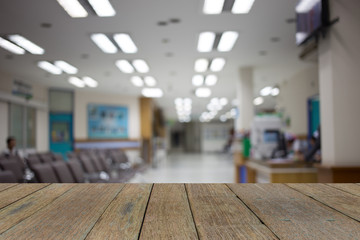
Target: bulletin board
[[107, 122]]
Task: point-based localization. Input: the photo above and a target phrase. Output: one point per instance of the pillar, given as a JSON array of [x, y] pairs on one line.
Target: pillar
[[339, 79]]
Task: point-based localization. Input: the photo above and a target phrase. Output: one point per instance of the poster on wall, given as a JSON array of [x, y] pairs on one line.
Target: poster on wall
[[105, 121]]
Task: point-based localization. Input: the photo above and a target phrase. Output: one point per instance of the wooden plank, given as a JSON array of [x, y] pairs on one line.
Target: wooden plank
[[293, 215], [22, 209], [70, 216], [124, 217], [168, 215], [219, 214], [4, 186], [344, 202], [347, 187], [19, 191]]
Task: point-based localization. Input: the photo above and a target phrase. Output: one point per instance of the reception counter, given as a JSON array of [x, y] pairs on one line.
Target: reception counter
[[179, 211], [280, 171]]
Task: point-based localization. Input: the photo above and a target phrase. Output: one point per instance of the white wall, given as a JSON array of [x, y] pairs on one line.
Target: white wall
[[215, 136], [4, 123], [82, 99], [339, 71], [293, 97]]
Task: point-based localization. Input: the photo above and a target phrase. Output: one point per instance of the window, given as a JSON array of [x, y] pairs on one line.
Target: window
[[22, 125]]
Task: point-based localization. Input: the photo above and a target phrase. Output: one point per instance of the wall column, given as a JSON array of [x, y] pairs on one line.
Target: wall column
[[339, 79], [146, 123], [245, 95]]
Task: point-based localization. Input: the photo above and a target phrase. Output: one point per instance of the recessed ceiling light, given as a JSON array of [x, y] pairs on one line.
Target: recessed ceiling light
[[223, 101], [11, 47], [137, 81], [152, 92], [217, 64], [201, 65], [77, 82], [206, 41], [27, 45], [124, 66], [150, 81], [102, 8], [141, 66], [258, 101], [104, 43], [227, 41], [266, 91], [125, 43], [211, 80], [203, 92], [275, 91], [198, 80], [242, 6], [49, 67], [90, 82], [69, 69], [213, 6], [73, 8]]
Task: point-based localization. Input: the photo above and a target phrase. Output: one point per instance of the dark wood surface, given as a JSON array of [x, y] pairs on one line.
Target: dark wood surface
[[179, 211]]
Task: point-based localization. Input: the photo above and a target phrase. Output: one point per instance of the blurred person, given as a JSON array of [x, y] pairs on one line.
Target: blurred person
[[11, 150], [314, 153]]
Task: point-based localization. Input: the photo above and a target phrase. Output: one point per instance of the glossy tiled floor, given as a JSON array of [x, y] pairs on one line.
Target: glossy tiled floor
[[190, 168]]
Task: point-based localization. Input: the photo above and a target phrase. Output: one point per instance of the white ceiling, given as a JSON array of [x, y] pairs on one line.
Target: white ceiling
[[68, 39]]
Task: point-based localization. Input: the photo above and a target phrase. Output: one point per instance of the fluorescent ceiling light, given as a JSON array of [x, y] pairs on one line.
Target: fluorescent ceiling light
[[49, 67], [90, 82], [201, 65], [124, 66], [141, 66], [125, 43], [266, 91], [206, 41], [275, 91], [305, 6], [102, 8], [213, 6], [203, 92], [27, 45], [77, 82], [258, 101], [11, 47], [104, 43], [198, 80], [211, 80], [150, 81], [217, 64], [64, 66], [187, 102], [137, 81], [152, 92], [73, 8], [227, 41], [242, 6]]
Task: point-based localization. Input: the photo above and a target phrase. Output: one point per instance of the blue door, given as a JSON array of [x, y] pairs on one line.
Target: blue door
[[61, 133]]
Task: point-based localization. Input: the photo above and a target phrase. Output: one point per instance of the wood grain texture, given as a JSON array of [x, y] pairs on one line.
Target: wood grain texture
[[347, 187], [70, 216], [124, 216], [4, 186], [293, 215], [17, 192], [22, 209], [168, 214], [219, 214], [344, 202]]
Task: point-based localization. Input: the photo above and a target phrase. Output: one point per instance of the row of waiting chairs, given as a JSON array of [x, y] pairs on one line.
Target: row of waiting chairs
[[86, 166]]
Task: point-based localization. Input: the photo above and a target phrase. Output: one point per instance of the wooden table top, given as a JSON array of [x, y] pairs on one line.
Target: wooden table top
[[179, 211]]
